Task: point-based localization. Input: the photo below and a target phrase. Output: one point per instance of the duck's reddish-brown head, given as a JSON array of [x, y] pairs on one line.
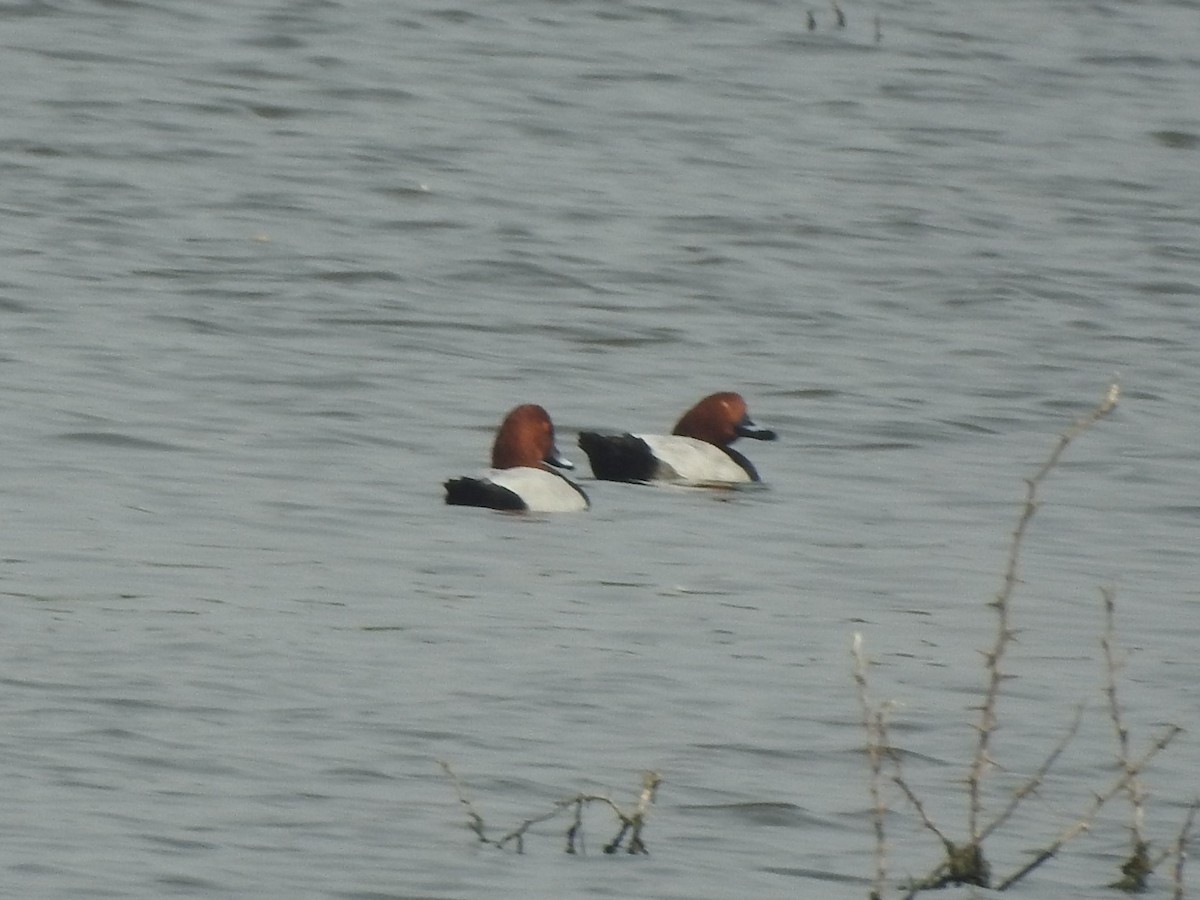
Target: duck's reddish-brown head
[[526, 438], [721, 419]]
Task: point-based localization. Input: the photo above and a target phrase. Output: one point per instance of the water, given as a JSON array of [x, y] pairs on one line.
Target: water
[[273, 272]]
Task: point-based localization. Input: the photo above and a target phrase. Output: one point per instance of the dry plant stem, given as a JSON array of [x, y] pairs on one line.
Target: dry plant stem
[[634, 822], [920, 808], [986, 727], [1161, 857], [631, 823], [575, 832], [1098, 802], [1135, 789], [650, 785], [965, 862], [518, 834], [1037, 778], [875, 726], [473, 817], [1181, 843]]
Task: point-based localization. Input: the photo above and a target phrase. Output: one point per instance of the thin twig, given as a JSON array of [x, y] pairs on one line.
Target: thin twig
[[1138, 866], [575, 832], [1085, 822], [473, 817], [1181, 843], [631, 823], [634, 822], [650, 785], [874, 724], [920, 808], [518, 833], [1035, 781], [1135, 789], [982, 760]]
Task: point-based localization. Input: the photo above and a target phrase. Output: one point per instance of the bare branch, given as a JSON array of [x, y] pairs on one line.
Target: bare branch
[[1035, 781], [631, 823], [1098, 802], [473, 817], [517, 835], [635, 821], [575, 832], [1181, 843], [920, 808], [987, 717], [874, 724], [1138, 866]]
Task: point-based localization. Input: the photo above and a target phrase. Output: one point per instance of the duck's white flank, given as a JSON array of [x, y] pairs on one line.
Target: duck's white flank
[[541, 490], [692, 460]]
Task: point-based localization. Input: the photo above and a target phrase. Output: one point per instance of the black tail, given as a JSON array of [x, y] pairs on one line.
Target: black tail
[[479, 492]]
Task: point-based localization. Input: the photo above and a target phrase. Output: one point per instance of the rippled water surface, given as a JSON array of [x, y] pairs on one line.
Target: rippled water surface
[[272, 272]]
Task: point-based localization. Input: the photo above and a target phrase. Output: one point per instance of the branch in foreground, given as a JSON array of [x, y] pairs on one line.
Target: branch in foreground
[[1137, 867], [1085, 823], [473, 817], [875, 725], [1004, 634], [1035, 781], [965, 864], [631, 823], [1181, 843]]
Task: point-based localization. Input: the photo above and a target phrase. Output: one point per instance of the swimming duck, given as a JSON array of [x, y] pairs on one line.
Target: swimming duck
[[521, 477], [697, 451]]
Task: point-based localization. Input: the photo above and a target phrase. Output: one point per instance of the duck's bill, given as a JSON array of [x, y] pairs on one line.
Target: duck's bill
[[557, 460], [747, 428]]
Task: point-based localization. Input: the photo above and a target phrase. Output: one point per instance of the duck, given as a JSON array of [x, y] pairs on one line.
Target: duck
[[521, 477], [696, 452]]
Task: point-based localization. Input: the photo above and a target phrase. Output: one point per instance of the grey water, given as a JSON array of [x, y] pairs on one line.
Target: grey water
[[270, 272]]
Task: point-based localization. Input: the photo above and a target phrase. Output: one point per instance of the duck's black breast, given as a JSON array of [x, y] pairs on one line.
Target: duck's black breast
[[743, 462]]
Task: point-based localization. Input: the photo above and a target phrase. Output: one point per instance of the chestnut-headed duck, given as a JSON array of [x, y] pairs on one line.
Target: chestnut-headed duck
[[521, 477], [697, 451]]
